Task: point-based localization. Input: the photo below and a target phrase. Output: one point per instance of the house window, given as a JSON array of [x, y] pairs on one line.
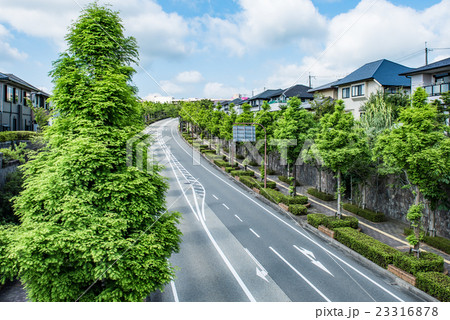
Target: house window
[[9, 94], [16, 95], [345, 93], [358, 91]]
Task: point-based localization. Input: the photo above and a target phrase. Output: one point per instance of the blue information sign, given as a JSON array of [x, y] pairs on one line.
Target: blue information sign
[[244, 133]]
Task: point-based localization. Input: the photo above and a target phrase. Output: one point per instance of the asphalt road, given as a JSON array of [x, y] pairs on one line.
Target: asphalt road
[[236, 248]]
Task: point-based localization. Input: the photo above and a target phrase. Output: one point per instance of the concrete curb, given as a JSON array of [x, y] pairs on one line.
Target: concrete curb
[[302, 223]]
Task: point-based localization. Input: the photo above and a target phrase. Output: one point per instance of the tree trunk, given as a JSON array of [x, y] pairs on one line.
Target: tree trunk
[[417, 229], [339, 213], [320, 178], [294, 182]]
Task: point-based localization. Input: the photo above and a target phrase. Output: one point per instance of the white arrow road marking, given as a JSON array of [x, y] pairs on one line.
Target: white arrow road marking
[[260, 271], [311, 257]]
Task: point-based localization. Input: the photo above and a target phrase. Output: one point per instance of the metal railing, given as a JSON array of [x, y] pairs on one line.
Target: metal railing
[[437, 89]]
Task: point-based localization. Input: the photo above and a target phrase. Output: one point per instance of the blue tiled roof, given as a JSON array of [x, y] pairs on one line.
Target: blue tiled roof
[[268, 94], [386, 72], [432, 66], [324, 87]]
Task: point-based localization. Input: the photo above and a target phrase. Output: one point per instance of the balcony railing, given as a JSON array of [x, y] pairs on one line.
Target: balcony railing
[[437, 89]]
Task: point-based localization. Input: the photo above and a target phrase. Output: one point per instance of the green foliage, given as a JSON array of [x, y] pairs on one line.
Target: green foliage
[[428, 262], [332, 222], [11, 189], [414, 215], [16, 135], [41, 116], [262, 171], [440, 243], [372, 249], [17, 152], [435, 284], [154, 111], [321, 195], [321, 106], [365, 213], [241, 173], [251, 182], [298, 209], [272, 195], [316, 219], [92, 227], [8, 265], [221, 163]]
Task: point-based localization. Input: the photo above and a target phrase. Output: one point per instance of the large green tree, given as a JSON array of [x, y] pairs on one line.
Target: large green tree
[[340, 143], [93, 228]]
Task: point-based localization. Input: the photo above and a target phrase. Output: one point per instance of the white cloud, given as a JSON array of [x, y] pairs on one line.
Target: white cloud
[[171, 88], [217, 90], [7, 52], [189, 77], [368, 33], [264, 24]]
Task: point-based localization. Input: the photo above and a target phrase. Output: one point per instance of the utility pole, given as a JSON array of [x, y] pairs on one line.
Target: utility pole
[[426, 53], [310, 77]]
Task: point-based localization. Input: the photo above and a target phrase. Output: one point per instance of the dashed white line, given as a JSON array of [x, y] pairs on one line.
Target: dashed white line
[[238, 218], [225, 206], [215, 197], [254, 233], [302, 276]]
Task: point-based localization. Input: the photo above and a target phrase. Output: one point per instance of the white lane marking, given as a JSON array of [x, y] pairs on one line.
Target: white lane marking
[[260, 271], [174, 291], [254, 233], [293, 228], [215, 197], [211, 238], [302, 276], [225, 206], [311, 257], [238, 218]]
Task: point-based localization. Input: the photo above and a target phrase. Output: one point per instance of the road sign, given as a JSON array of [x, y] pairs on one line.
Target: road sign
[[244, 133]]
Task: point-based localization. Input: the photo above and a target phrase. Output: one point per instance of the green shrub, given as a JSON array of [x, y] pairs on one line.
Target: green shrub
[[374, 250], [226, 149], [272, 195], [8, 267], [241, 173], [428, 262], [321, 195], [253, 163], [229, 169], [365, 213], [440, 243], [248, 181], [269, 184], [288, 180], [222, 163], [316, 219], [270, 172], [11, 188], [240, 157], [16, 135], [435, 284], [332, 222], [287, 200], [298, 209], [19, 152]]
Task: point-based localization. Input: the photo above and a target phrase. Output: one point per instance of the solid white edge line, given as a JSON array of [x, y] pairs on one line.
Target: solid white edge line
[[174, 291], [302, 276], [293, 228], [254, 233]]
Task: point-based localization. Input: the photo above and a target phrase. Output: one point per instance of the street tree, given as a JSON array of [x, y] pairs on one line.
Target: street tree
[[93, 228]]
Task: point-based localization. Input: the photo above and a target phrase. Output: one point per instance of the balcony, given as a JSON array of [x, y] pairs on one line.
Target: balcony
[[437, 89]]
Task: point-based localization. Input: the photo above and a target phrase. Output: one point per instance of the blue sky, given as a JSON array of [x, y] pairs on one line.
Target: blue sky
[[215, 49]]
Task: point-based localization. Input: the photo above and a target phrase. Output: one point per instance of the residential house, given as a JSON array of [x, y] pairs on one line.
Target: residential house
[[298, 90], [434, 77], [257, 101], [326, 90], [355, 89], [15, 112]]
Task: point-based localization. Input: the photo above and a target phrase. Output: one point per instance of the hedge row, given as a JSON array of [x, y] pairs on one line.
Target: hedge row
[[372, 249], [428, 262], [365, 213], [434, 283], [253, 183], [298, 209], [222, 163], [242, 173], [321, 195], [332, 222], [278, 197], [440, 243], [16, 135]]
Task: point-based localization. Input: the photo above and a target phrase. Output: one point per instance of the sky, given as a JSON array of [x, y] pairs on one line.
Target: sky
[[218, 48]]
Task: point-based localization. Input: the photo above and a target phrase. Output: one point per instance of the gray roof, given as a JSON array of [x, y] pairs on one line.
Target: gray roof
[[298, 90], [268, 94], [324, 87], [386, 72], [430, 67], [13, 78]]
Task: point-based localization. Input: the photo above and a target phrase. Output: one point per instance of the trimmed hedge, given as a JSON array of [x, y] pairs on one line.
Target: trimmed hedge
[[365, 213], [321, 195], [241, 173], [428, 262], [286, 180], [298, 209], [16, 135], [435, 284], [440, 243], [316, 219], [222, 163], [240, 157], [272, 195], [374, 250], [8, 267], [332, 222], [295, 200]]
